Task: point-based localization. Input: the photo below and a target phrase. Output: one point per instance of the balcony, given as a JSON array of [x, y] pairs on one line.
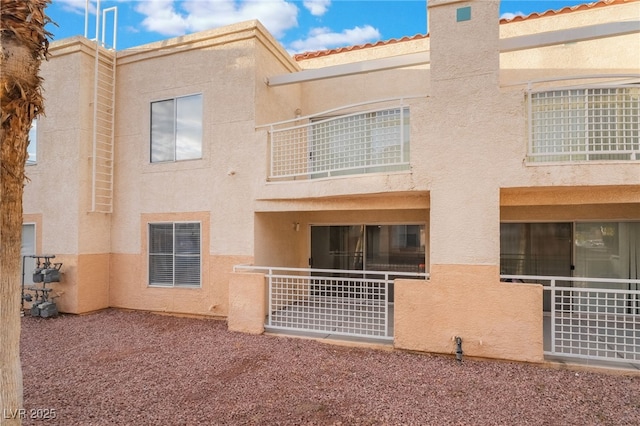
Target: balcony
[[332, 144], [589, 320], [596, 320], [597, 123], [330, 302]]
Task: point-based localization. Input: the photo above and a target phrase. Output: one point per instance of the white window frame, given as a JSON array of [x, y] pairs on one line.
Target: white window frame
[[33, 144], [173, 255], [175, 129], [29, 262]]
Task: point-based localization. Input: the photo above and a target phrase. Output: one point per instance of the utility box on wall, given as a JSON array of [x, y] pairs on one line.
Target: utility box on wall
[[38, 294]]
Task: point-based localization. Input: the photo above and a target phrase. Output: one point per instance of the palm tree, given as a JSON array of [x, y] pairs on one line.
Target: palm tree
[[23, 45]]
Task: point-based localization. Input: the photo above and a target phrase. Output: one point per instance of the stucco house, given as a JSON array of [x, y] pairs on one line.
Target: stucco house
[[474, 189]]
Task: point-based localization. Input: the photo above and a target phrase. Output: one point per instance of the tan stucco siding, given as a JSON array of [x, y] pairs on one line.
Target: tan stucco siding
[[494, 320], [284, 238], [223, 76], [63, 146], [247, 302], [468, 171], [93, 277], [129, 288]]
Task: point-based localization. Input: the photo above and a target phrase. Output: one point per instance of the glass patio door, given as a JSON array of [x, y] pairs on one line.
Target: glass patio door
[[337, 247], [536, 249], [608, 249], [395, 248], [387, 248]]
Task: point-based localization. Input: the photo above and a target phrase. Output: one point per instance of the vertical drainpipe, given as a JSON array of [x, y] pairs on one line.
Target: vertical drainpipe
[[459, 349]]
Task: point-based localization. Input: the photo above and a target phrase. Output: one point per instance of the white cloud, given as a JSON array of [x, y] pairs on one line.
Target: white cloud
[[323, 38], [161, 17], [171, 17], [509, 15], [76, 6], [317, 7], [79, 6]]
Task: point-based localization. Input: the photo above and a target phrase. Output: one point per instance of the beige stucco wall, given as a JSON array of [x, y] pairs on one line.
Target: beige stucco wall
[[494, 319], [456, 130], [129, 288], [129, 283], [60, 208], [227, 66], [229, 138], [279, 242], [84, 283], [247, 302], [570, 203], [621, 54], [468, 171], [64, 137]]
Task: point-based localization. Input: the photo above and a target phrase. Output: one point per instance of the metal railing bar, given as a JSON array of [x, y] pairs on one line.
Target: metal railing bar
[[399, 106], [571, 77], [591, 152], [368, 166], [238, 268], [340, 108], [313, 278], [553, 318], [571, 279]]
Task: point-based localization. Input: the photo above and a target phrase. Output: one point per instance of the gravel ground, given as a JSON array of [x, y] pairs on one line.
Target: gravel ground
[[135, 368]]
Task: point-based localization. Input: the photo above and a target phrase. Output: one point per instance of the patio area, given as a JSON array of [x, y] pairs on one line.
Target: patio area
[[123, 367]]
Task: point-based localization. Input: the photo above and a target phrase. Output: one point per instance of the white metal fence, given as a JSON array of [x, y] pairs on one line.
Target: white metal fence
[[591, 318], [376, 140], [331, 301], [585, 124]]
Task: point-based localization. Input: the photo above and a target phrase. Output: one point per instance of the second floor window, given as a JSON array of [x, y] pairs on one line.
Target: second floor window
[[176, 129], [32, 149]]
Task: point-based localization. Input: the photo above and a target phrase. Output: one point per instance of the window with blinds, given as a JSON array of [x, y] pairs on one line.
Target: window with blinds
[[174, 254]]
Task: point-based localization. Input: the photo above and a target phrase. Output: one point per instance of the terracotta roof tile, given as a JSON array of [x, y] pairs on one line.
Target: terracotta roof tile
[[535, 15], [566, 9], [308, 55]]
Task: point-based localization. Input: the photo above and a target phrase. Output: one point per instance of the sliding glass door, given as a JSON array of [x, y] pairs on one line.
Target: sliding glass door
[[608, 250], [536, 249], [395, 248], [581, 249]]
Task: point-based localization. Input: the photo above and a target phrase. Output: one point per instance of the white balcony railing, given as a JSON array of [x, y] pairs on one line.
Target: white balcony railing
[[333, 144], [596, 123], [596, 319], [331, 301]]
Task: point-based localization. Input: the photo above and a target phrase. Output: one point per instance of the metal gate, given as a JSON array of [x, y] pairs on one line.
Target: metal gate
[[594, 319], [332, 302]]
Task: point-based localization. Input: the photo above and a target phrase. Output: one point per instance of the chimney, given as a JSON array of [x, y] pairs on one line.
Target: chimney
[[464, 39]]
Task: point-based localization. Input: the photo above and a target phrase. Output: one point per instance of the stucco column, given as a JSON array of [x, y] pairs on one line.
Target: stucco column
[[465, 100], [247, 302], [464, 297]]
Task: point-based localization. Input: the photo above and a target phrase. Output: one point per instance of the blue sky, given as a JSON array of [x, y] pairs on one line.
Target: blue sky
[[299, 25]]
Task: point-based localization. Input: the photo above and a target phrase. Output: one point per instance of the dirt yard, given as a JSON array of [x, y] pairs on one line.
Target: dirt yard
[[134, 368]]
